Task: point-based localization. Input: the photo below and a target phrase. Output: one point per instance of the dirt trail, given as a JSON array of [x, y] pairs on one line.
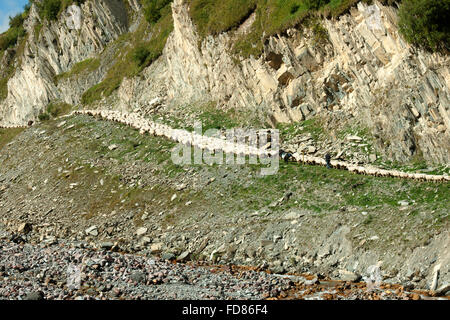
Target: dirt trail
[[211, 143]]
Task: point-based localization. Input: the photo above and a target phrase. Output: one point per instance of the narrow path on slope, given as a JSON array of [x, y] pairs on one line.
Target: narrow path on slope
[[212, 144]]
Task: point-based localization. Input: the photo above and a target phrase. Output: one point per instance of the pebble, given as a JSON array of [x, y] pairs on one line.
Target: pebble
[[92, 231], [112, 147], [141, 231]]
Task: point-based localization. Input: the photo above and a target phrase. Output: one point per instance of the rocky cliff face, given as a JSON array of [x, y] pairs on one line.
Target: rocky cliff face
[[54, 50], [362, 72]]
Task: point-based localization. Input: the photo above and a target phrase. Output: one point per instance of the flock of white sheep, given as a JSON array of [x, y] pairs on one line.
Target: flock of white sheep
[[212, 144]]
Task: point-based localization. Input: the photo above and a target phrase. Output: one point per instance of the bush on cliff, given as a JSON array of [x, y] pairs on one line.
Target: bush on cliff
[[50, 9], [425, 23], [153, 9], [9, 38]]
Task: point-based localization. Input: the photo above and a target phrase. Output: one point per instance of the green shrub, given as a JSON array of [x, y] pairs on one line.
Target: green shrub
[[43, 116], [294, 8], [57, 109], [50, 9], [316, 4], [9, 38], [16, 21], [54, 110], [153, 9], [16, 30], [141, 54], [320, 33], [425, 23]]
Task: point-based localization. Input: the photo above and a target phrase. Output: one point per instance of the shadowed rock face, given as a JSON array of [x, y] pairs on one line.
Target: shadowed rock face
[[364, 70]]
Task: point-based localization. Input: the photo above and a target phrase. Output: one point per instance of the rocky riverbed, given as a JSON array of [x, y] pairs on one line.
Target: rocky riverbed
[[66, 271]]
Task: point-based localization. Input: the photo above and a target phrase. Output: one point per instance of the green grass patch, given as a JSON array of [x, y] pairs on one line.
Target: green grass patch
[[272, 17], [37, 30], [85, 66], [211, 117], [54, 110], [7, 135], [133, 55], [214, 17], [424, 23], [7, 71], [290, 130]]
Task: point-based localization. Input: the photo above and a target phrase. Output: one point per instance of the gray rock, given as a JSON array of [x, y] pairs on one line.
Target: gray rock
[[349, 276], [443, 290], [92, 231], [313, 281], [168, 256], [184, 256], [354, 138], [293, 215], [25, 228], [113, 147], [141, 231], [106, 245], [138, 276], [156, 247], [36, 295], [266, 242]]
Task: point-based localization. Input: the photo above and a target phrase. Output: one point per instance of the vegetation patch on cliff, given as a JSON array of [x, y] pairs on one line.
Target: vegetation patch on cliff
[[12, 44], [51, 9], [87, 65], [16, 31], [272, 17], [54, 110], [425, 23], [135, 51], [422, 22]]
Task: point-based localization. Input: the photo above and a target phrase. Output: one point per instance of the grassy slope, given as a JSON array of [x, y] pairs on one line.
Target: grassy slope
[[139, 176], [88, 65], [6, 135], [272, 17]]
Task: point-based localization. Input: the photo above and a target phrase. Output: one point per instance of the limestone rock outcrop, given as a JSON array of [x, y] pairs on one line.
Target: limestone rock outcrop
[[365, 70], [53, 50]]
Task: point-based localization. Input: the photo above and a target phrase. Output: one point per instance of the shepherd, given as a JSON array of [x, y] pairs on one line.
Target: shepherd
[[286, 156], [328, 160]]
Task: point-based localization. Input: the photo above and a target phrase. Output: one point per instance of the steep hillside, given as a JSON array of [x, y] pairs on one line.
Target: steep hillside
[[95, 182], [352, 72], [335, 77]]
